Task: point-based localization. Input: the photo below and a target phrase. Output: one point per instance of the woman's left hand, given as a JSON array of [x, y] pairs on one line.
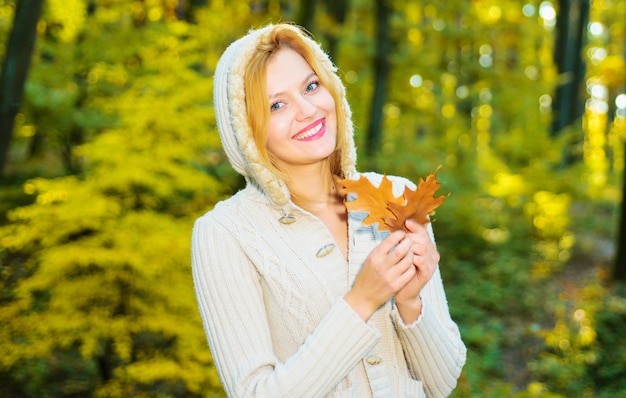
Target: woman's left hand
[[425, 259]]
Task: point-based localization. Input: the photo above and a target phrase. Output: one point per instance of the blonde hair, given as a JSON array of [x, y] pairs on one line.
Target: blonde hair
[[257, 103]]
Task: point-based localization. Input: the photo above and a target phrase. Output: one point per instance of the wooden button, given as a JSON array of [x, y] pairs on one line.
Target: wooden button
[[373, 360], [325, 250]]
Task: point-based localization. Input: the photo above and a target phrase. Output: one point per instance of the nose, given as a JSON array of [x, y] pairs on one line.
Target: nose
[[305, 109]]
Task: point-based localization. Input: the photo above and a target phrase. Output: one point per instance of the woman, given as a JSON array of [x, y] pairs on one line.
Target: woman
[[297, 297]]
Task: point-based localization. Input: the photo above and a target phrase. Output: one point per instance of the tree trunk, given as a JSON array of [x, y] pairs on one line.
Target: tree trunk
[[571, 29], [306, 14], [15, 69], [338, 11], [382, 67]]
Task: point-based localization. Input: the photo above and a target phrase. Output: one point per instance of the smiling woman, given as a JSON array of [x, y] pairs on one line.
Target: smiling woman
[[298, 297], [302, 129]]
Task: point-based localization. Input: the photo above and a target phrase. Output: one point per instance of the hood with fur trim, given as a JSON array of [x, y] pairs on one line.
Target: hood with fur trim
[[232, 120]]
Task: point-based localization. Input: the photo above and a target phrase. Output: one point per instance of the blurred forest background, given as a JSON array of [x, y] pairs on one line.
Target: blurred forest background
[[109, 151]]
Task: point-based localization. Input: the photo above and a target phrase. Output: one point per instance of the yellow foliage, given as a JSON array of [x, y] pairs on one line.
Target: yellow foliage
[[508, 185], [70, 17], [549, 213], [612, 71], [109, 251], [488, 12], [105, 256]]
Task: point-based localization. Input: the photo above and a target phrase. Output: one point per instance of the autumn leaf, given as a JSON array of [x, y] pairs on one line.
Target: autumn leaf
[[388, 211]]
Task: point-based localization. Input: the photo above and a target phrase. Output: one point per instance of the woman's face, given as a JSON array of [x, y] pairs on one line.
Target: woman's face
[[303, 121]]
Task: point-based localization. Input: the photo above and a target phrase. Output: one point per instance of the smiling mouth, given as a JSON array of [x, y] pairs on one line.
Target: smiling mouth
[[314, 132]]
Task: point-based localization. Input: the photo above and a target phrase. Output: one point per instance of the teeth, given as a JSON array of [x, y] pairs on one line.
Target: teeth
[[310, 132]]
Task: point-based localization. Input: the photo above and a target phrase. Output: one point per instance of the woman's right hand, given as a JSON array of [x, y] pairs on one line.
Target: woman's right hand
[[385, 271]]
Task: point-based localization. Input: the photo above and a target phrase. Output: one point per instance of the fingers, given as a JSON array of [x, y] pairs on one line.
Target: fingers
[[393, 249], [392, 258], [419, 234], [408, 272], [417, 231], [413, 226], [425, 252], [401, 250], [423, 244], [390, 242], [386, 270]]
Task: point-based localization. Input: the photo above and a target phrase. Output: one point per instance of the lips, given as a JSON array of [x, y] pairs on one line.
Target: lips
[[311, 132]]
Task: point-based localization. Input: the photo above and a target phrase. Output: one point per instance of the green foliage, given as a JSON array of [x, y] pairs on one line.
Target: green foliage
[[468, 93], [116, 153], [609, 368]]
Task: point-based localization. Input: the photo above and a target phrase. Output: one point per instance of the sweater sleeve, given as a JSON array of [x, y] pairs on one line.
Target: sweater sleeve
[[432, 344], [230, 300]]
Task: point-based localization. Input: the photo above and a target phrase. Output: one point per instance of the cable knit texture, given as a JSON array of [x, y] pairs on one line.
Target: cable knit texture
[[270, 292]]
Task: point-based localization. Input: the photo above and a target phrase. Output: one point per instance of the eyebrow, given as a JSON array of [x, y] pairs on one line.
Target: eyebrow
[[306, 79]]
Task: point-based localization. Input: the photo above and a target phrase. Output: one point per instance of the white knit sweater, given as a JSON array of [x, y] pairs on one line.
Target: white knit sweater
[[271, 299]]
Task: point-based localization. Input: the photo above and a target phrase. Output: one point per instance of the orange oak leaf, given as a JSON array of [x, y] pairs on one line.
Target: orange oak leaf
[[388, 211]]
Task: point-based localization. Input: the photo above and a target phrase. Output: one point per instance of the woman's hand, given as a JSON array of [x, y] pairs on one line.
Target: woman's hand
[[387, 269], [425, 261]]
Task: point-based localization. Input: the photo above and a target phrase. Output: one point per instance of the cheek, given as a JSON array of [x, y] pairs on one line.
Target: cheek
[[331, 109], [277, 131], [329, 102]]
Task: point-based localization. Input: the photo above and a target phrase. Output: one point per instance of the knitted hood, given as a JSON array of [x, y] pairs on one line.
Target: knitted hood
[[232, 119]]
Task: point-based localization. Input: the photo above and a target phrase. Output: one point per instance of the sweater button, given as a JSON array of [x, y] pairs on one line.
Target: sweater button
[[373, 360], [287, 219], [325, 250]]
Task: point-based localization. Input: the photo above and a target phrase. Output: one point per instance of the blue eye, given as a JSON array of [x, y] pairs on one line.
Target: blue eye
[[276, 106], [312, 86]]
